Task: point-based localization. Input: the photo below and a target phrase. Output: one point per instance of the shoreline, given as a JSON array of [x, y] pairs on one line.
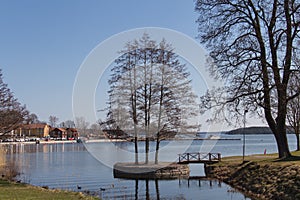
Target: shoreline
[[261, 176], [14, 190], [40, 142], [108, 140]]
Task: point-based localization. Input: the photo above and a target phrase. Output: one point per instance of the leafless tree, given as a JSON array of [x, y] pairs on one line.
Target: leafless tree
[[174, 98], [53, 120], [12, 113], [81, 126], [32, 119], [123, 93], [293, 109], [150, 85], [68, 124], [252, 43]]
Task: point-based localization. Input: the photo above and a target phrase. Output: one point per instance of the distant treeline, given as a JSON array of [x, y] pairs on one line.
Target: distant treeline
[[254, 130]]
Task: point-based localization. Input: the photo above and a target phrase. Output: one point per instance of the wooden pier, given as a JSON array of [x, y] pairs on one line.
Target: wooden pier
[[198, 157]]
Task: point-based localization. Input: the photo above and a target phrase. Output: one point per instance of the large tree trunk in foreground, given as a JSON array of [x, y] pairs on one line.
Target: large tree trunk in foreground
[[255, 50], [282, 144], [278, 128]]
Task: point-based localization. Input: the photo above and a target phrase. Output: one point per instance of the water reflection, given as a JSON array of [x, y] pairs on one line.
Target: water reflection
[[151, 189], [65, 166], [21, 148]]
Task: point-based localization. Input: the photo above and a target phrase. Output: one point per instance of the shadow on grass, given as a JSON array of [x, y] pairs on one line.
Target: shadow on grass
[[288, 159]]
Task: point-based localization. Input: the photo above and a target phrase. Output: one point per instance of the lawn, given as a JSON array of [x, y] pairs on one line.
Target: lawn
[[265, 158], [12, 190]]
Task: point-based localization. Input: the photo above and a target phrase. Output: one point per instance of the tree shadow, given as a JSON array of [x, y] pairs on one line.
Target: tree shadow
[[288, 159]]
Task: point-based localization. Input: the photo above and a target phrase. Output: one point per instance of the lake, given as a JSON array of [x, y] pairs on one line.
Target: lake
[[88, 166]]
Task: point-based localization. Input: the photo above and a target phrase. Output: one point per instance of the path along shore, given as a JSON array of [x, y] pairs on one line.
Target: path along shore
[[261, 176]]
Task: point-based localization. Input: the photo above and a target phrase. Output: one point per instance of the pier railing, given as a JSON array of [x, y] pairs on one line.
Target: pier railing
[[198, 157]]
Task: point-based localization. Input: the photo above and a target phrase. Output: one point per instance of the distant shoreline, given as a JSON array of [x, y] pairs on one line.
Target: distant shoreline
[[41, 142]]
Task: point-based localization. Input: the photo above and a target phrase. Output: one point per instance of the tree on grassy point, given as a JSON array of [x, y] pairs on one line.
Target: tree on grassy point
[[149, 92], [253, 44], [123, 93]]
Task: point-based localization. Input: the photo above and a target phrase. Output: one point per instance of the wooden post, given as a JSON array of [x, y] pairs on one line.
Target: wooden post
[[219, 156], [209, 156]]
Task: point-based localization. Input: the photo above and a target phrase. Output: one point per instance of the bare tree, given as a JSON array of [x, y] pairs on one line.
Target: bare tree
[[53, 120], [68, 124], [81, 126], [252, 43], [151, 85], [32, 119], [175, 100], [293, 113], [12, 113], [123, 93], [95, 129]]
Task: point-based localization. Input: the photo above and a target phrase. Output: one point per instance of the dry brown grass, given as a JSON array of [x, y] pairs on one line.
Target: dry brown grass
[[262, 176], [12, 190], [262, 158]]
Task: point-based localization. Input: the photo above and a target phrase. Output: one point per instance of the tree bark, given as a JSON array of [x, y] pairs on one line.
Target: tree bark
[[298, 142]]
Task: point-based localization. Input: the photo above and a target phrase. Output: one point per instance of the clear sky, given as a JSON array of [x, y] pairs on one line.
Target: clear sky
[[43, 43]]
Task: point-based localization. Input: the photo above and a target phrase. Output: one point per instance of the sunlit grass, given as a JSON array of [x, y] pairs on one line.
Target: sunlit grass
[[11, 190], [264, 158]]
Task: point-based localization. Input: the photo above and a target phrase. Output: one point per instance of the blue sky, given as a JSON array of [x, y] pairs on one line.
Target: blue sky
[[43, 43]]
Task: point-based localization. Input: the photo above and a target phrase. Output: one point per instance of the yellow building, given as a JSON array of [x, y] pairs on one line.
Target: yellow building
[[33, 130]]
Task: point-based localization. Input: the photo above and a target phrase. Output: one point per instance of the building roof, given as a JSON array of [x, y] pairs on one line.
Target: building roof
[[33, 126], [60, 129], [72, 129]]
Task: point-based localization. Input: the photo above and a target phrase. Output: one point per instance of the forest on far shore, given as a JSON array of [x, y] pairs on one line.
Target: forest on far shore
[[255, 130]]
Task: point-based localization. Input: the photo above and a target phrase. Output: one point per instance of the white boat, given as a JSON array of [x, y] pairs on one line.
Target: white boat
[[213, 137]]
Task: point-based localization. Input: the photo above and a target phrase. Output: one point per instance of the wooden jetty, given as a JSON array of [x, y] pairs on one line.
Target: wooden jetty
[[198, 157]]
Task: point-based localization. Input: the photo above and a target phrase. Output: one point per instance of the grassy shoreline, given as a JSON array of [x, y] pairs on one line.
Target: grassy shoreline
[[13, 190], [261, 176]]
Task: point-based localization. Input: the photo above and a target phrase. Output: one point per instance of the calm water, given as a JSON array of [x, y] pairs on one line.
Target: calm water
[[65, 166]]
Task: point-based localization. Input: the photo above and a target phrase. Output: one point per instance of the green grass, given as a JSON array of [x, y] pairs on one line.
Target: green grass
[[12, 190]]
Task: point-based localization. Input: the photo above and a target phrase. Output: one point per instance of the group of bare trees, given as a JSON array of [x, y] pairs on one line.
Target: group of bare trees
[[254, 45], [150, 93]]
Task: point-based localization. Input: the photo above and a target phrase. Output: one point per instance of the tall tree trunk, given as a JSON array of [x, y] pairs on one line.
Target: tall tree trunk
[[159, 116], [282, 145], [278, 128], [157, 147], [298, 142], [146, 125], [134, 111], [136, 152]]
